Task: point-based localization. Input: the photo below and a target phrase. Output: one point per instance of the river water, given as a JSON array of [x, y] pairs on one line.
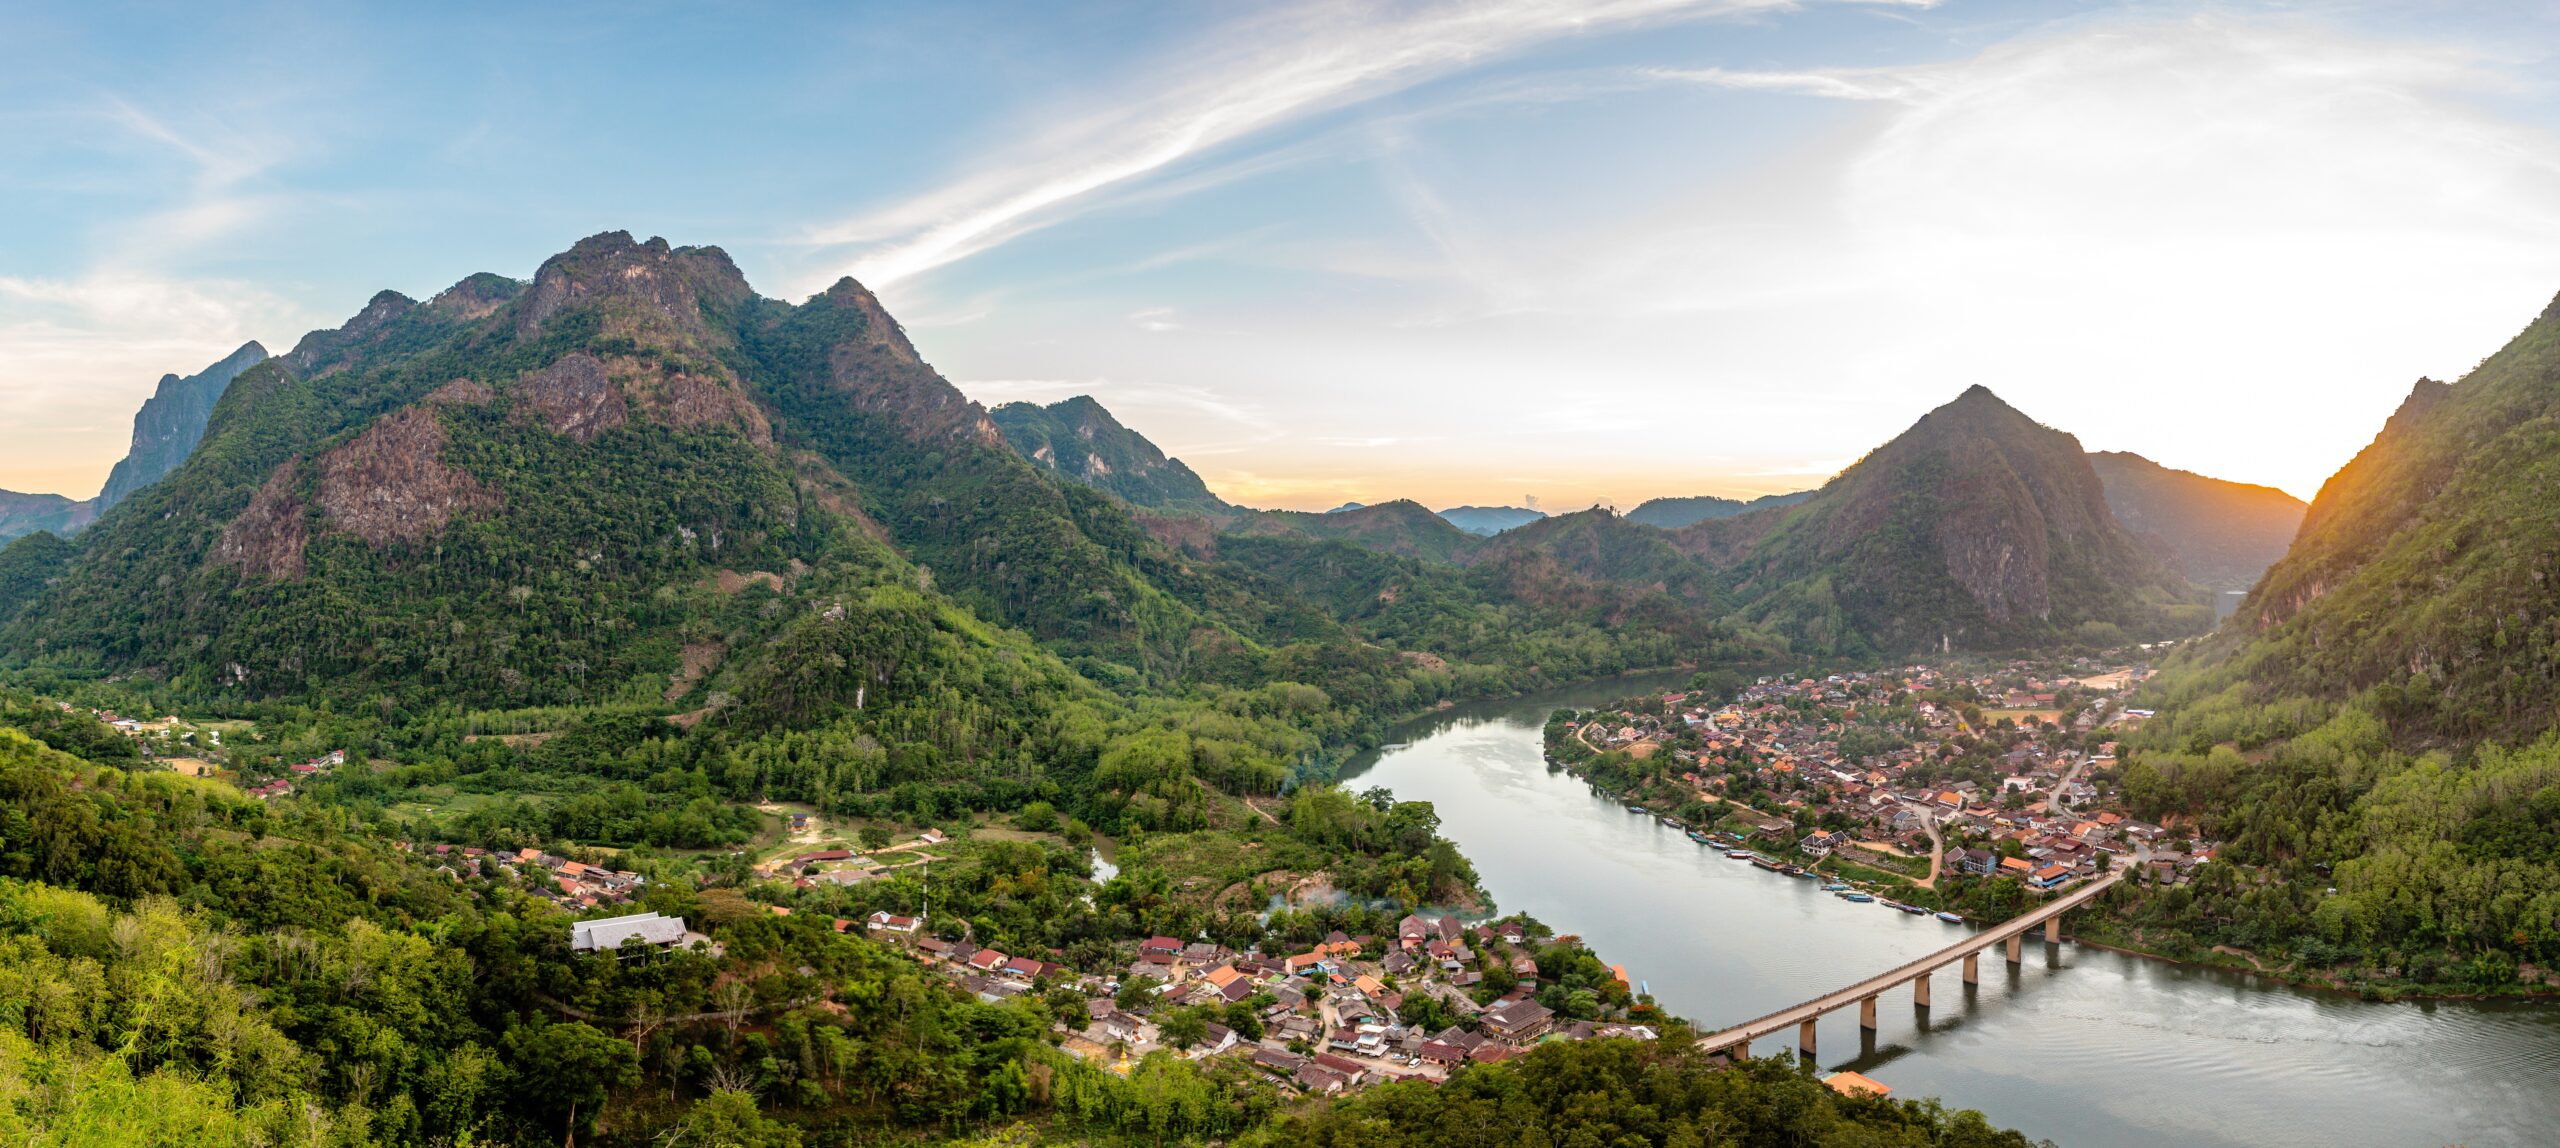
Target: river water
[[2082, 1046]]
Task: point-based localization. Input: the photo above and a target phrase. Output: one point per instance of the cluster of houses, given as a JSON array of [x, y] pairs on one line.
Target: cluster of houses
[[572, 885], [299, 770], [1331, 1016], [2033, 811]]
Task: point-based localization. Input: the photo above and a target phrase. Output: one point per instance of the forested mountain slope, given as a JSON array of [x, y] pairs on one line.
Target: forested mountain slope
[[549, 492], [2375, 726], [1078, 439], [1403, 527], [1977, 528], [2220, 535]]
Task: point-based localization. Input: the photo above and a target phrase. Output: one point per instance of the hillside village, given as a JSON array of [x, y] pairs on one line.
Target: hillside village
[[1909, 774], [1349, 1013]]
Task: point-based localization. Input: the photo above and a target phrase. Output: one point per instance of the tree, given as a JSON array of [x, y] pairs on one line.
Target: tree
[[1186, 1027], [875, 837], [728, 1119], [565, 1071]]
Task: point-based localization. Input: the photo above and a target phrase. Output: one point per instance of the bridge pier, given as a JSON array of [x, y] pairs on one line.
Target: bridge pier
[[2053, 929], [1920, 990], [1973, 968], [1867, 1013], [2017, 949], [1804, 1039]]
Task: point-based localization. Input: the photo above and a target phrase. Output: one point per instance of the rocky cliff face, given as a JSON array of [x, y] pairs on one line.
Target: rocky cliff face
[[171, 422], [1977, 527]]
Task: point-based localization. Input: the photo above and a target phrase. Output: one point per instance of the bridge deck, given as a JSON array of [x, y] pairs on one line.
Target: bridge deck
[[1794, 1015]]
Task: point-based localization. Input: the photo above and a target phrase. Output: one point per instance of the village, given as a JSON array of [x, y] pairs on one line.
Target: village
[[1891, 780], [1344, 1015]]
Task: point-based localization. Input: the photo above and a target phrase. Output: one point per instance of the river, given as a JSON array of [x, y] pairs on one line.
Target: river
[[2082, 1046]]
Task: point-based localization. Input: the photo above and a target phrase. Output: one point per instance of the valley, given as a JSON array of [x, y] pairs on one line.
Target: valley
[[697, 697]]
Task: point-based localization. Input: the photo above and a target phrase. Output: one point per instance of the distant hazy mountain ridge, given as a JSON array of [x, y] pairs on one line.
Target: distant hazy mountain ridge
[[2221, 535], [1674, 513], [1486, 521]]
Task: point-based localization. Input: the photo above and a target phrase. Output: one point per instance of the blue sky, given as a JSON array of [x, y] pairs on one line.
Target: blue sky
[[1483, 252]]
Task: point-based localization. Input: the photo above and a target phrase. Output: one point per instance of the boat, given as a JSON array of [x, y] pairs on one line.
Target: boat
[[1914, 910], [1700, 838], [1638, 809], [1857, 898], [1951, 918], [1836, 887], [1807, 874], [1769, 863], [1669, 820], [1740, 854]]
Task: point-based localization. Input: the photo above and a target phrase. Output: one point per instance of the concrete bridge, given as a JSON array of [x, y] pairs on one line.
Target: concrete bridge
[[2011, 933]]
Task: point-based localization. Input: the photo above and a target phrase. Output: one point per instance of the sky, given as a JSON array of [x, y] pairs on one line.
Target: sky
[[1504, 252]]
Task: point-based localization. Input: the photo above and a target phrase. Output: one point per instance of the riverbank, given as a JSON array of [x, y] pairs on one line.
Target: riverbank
[[2229, 959], [2092, 1048]]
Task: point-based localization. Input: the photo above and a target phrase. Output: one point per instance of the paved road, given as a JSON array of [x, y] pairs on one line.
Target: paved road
[[1787, 1018], [2053, 801]]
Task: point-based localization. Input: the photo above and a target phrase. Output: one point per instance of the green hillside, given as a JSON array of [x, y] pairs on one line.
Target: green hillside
[[2373, 731]]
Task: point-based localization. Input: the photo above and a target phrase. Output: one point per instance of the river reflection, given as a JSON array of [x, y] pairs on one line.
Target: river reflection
[[2082, 1046]]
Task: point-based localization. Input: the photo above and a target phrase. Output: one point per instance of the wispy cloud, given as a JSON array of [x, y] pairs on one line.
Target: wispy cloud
[[220, 195], [1283, 68], [1833, 83], [1154, 319]]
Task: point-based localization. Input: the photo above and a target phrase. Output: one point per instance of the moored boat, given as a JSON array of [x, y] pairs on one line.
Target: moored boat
[[1857, 898], [1951, 918]]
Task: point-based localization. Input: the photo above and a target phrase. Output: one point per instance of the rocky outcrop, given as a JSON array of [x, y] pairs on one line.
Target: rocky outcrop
[[572, 397], [327, 352], [171, 423], [650, 292], [392, 485], [881, 331], [266, 540], [878, 372]]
